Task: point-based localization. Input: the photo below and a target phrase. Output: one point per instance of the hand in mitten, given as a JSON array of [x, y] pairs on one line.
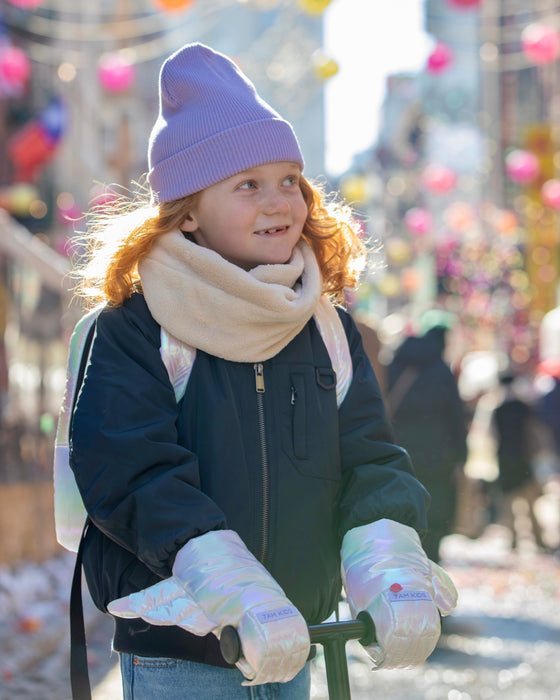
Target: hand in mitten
[[387, 573], [217, 582]]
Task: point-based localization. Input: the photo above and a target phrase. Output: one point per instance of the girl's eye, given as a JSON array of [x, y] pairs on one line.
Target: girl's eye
[[291, 180], [249, 185]]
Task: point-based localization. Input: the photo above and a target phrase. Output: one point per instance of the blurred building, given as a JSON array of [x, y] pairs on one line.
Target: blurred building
[[464, 229], [520, 106]]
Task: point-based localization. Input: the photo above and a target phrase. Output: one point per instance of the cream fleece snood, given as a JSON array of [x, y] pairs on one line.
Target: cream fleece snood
[[216, 306]]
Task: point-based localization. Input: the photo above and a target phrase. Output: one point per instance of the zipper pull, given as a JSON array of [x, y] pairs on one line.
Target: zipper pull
[[259, 377], [293, 395]]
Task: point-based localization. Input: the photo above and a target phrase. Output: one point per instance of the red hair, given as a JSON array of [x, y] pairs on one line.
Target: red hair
[[119, 237]]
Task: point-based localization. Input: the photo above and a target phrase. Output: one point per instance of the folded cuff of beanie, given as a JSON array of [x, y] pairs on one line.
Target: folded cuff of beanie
[[222, 155]]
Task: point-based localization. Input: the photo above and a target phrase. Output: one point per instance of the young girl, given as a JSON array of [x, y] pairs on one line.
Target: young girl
[[238, 499]]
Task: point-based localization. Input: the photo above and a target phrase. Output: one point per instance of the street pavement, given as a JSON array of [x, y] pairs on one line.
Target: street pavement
[[501, 642]]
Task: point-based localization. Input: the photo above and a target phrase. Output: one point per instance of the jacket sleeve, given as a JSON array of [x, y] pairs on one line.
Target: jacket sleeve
[[378, 479], [140, 487]]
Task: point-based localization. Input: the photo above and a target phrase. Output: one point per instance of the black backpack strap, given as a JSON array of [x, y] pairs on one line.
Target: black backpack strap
[[79, 676]]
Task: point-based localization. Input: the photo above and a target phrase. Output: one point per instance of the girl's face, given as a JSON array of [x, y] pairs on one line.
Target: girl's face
[[253, 218]]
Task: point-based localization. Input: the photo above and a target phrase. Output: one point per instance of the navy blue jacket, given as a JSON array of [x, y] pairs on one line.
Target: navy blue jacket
[[286, 469]]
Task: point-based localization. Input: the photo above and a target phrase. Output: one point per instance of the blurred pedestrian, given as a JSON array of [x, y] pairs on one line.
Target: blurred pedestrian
[[240, 499], [518, 440], [429, 421], [372, 346]]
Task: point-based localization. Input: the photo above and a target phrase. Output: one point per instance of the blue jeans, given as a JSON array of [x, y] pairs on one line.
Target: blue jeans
[[152, 678]]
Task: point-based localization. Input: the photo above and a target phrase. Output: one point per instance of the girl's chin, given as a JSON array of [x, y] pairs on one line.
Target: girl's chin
[[272, 261], [274, 258]]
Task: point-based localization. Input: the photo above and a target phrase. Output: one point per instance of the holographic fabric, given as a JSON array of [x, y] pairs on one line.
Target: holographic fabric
[[387, 573], [217, 582], [70, 513]]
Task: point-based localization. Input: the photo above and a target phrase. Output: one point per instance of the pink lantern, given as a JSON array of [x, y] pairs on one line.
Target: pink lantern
[[70, 214], [522, 166], [464, 4], [418, 221], [15, 69], [439, 59], [26, 4], [115, 72], [438, 179], [540, 43], [550, 192]]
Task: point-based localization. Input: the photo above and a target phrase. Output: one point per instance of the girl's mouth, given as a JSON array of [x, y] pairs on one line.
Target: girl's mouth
[[276, 231]]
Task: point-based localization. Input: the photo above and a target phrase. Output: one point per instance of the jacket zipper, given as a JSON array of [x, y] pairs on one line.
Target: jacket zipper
[[260, 389]]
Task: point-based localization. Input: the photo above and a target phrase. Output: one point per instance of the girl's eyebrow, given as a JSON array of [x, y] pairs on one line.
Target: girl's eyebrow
[[244, 175], [291, 170]]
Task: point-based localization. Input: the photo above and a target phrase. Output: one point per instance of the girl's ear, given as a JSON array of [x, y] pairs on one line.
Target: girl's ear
[[189, 224]]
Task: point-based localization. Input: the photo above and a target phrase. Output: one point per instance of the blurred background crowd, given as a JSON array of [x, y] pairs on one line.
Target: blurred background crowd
[[457, 189]]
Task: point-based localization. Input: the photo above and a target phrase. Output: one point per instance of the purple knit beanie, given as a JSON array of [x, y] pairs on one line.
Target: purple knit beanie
[[211, 125]]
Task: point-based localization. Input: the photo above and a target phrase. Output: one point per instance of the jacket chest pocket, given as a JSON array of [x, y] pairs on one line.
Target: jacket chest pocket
[[311, 439]]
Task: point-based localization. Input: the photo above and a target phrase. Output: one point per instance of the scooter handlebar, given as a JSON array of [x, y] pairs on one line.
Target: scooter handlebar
[[362, 629]]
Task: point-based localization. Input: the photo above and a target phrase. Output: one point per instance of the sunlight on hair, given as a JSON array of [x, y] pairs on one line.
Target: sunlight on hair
[[122, 230]]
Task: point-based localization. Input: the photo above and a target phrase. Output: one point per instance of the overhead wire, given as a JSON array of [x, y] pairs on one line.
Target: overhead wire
[[152, 42]]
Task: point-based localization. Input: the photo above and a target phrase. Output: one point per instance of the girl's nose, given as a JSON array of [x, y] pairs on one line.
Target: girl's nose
[[275, 201]]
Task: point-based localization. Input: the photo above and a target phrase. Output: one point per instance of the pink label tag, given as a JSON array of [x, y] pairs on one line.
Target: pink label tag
[[278, 614], [404, 596]]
